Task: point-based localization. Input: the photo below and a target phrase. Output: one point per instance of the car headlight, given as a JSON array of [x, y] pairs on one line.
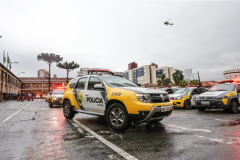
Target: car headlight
[[144, 97], [179, 98], [54, 98], [197, 98]]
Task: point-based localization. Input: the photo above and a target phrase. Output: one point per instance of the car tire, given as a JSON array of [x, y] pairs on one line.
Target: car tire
[[117, 117], [234, 106], [201, 108], [187, 104], [68, 112], [50, 104]]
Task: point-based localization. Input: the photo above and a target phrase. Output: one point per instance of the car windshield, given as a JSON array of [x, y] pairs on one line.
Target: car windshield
[[183, 91], [58, 91], [222, 87], [117, 82]]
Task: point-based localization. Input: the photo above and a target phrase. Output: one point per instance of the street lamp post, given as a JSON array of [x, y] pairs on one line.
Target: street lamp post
[[11, 63], [20, 73]]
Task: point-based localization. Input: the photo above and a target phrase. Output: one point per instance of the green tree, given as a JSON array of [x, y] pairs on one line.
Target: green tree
[[183, 83], [194, 82], [49, 58], [161, 79], [167, 81], [177, 76], [68, 66]]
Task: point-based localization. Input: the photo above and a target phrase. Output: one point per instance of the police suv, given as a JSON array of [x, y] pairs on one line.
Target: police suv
[[186, 97], [225, 95], [56, 96], [120, 101]]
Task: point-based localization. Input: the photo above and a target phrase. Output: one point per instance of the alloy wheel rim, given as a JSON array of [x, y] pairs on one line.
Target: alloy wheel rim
[[66, 110], [117, 117]]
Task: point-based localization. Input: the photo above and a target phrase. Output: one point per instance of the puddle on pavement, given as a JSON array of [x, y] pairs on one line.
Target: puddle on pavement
[[72, 136]]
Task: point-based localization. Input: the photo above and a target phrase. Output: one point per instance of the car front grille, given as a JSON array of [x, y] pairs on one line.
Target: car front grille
[[207, 98], [159, 98]]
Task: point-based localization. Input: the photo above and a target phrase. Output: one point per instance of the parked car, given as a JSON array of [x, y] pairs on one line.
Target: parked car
[[169, 90], [117, 99], [186, 97]]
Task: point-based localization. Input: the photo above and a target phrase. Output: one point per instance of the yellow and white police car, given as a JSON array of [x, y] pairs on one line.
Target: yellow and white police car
[[56, 96], [120, 101], [225, 95], [186, 97]]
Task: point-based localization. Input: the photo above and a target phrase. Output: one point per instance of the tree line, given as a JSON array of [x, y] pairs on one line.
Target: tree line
[[178, 78], [51, 58]]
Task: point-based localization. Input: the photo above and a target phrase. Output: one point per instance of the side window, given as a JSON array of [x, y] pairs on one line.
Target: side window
[[92, 81], [72, 83], [81, 83]]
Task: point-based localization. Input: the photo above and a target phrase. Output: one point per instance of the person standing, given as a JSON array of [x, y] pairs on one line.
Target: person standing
[[18, 96]]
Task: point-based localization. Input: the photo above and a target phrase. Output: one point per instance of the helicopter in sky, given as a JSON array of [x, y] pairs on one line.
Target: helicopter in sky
[[168, 23]]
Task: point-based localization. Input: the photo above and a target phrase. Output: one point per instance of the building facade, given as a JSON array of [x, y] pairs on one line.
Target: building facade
[[148, 74], [9, 83], [188, 75], [39, 85]]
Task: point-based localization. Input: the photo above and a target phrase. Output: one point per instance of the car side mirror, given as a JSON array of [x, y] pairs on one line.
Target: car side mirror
[[98, 86], [238, 91]]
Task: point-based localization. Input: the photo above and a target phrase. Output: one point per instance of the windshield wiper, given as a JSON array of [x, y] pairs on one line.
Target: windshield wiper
[[128, 84], [117, 84]]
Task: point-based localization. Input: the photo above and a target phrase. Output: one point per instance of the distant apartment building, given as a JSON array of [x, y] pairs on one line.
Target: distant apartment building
[[147, 74], [188, 75], [9, 82], [232, 74]]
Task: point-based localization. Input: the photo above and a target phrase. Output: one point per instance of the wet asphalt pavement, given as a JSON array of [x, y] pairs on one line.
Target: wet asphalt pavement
[[40, 132]]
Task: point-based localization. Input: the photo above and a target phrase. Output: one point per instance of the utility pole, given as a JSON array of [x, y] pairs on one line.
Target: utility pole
[[199, 83]]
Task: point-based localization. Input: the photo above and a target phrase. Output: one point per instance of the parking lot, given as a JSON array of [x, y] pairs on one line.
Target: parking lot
[[32, 130]]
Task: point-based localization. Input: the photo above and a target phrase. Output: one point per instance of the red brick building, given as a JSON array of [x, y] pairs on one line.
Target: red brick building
[[39, 85]]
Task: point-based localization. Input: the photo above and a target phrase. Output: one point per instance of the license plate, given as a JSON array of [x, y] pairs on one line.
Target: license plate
[[205, 103], [165, 108]]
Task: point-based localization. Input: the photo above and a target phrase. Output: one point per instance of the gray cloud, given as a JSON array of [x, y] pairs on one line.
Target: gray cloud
[[111, 34]]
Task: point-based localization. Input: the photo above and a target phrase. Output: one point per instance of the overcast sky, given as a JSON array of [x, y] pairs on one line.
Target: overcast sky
[[205, 35]]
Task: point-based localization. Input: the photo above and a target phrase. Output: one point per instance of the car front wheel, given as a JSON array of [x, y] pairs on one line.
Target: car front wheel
[[117, 117], [234, 107], [68, 111]]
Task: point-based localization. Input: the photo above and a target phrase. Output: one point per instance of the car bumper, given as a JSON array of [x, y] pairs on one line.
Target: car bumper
[[155, 114], [177, 103], [211, 104]]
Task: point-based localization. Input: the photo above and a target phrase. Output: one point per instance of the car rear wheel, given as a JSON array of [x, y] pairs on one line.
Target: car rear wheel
[[187, 104], [68, 111], [117, 117], [234, 107]]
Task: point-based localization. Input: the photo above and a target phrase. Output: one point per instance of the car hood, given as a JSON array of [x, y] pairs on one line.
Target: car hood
[[214, 93], [142, 90], [175, 95], [58, 95]]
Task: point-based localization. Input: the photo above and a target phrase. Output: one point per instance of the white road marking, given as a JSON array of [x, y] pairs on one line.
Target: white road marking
[[189, 129], [222, 120], [106, 142], [216, 140], [9, 117]]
